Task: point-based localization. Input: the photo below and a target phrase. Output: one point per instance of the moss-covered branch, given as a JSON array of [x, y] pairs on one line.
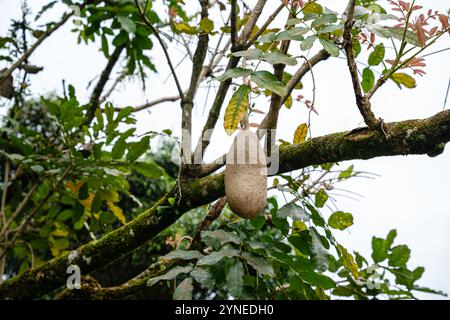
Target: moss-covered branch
[[406, 137]]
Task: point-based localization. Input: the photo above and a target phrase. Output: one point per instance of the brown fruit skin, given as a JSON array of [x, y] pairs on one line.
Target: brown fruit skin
[[246, 180]]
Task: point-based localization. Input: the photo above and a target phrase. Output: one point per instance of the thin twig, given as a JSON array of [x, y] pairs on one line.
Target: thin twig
[[163, 46], [25, 221], [94, 102], [5, 191], [118, 80], [265, 26], [18, 210], [233, 23]]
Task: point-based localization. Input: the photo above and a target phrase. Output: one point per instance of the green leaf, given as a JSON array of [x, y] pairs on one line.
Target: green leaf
[[320, 198], [347, 173], [320, 255], [406, 277], [330, 47], [148, 169], [348, 261], [301, 241], [340, 220], [368, 80], [403, 79], [120, 39], [279, 58], [4, 41], [207, 25], [137, 149], [331, 28], [312, 7], [182, 255], [234, 73], [293, 211], [262, 266], [300, 133], [308, 43], [144, 42], [251, 54], [119, 147], [222, 236], [317, 279], [325, 19], [343, 291], [235, 279], [96, 204], [127, 24], [428, 290], [184, 290], [377, 55], [216, 256], [410, 37], [267, 38], [61, 244], [399, 256], [173, 273], [204, 277], [380, 246], [236, 109], [66, 214], [266, 80], [295, 34], [83, 193], [105, 46]]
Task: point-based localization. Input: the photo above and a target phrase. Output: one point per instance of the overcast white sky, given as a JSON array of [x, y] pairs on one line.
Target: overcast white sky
[[411, 194]]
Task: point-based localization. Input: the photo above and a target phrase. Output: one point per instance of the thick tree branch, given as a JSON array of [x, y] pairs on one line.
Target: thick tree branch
[[91, 289], [407, 137]]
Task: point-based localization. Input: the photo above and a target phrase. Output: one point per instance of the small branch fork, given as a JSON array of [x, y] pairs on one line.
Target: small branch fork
[[212, 215]]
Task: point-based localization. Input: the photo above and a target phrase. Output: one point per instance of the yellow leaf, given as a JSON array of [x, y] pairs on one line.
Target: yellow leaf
[[404, 79], [299, 226], [109, 195], [236, 109], [88, 202], [59, 233], [74, 186], [55, 252], [288, 102], [184, 28], [117, 212], [301, 133], [348, 261]]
